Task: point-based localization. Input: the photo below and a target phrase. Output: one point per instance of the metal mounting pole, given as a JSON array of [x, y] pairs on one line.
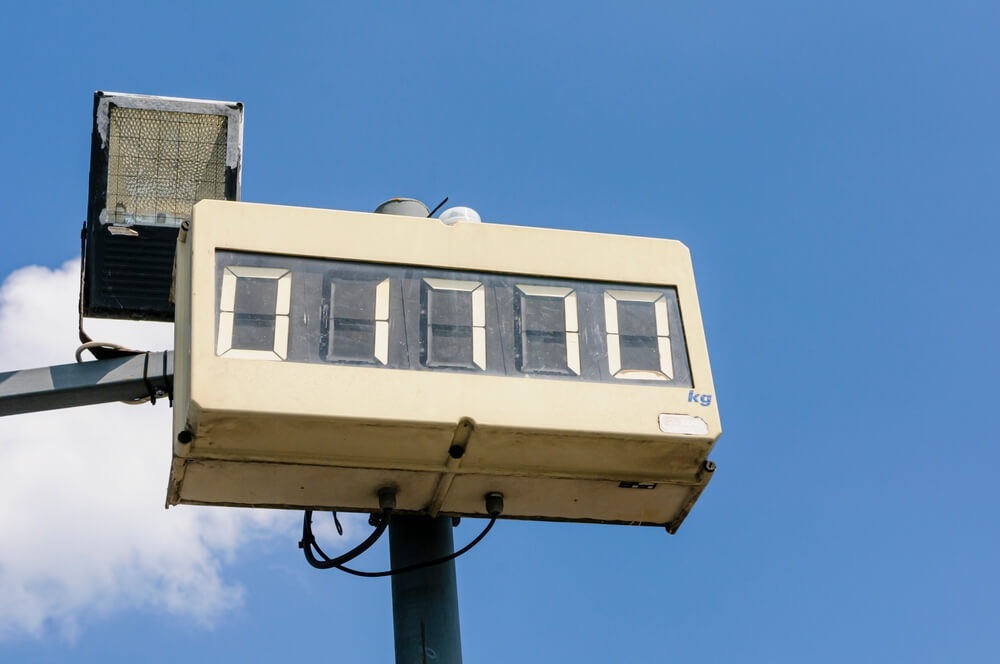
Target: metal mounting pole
[[68, 385], [424, 601]]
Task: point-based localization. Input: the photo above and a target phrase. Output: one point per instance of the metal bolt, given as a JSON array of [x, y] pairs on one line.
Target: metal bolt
[[387, 498], [494, 503]]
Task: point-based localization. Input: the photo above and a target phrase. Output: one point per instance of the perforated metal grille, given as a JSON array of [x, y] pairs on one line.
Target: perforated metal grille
[[160, 163]]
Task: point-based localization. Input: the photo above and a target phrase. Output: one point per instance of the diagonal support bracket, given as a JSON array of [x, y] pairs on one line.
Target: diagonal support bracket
[[137, 376]]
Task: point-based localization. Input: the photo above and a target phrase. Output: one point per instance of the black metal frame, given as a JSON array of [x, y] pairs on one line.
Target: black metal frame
[[128, 275]]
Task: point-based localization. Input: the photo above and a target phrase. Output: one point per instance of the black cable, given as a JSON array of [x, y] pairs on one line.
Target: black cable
[[145, 379], [307, 536], [309, 542], [426, 563], [387, 499]]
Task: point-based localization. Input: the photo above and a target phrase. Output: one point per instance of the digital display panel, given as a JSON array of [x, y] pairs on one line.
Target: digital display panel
[[321, 355], [323, 311]]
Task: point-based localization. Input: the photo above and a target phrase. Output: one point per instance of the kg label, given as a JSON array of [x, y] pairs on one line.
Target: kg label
[[703, 399]]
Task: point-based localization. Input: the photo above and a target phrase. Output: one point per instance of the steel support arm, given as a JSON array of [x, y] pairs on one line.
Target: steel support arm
[[87, 383]]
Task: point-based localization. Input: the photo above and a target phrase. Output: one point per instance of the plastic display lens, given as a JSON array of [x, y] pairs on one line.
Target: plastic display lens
[[285, 308], [547, 336], [638, 335], [253, 313], [453, 323], [355, 320]]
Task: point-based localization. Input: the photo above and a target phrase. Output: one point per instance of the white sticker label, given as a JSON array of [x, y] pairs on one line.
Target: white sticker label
[[683, 424]]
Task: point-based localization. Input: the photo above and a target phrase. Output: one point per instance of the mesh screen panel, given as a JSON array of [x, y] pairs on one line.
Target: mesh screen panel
[[160, 163]]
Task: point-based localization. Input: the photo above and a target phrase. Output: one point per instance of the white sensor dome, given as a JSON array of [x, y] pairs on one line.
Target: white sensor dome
[[460, 213]]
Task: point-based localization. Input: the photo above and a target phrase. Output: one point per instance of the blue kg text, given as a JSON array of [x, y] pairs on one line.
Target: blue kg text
[[703, 399]]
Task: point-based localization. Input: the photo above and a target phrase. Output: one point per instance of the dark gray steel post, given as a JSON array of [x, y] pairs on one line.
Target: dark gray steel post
[[424, 601], [86, 383]]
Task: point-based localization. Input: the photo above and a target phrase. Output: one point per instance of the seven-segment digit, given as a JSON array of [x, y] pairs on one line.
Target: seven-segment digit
[[453, 323], [638, 335], [355, 324], [253, 312], [546, 331]]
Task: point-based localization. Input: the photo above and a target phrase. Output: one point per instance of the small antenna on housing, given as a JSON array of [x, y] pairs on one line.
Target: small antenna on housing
[[437, 207]]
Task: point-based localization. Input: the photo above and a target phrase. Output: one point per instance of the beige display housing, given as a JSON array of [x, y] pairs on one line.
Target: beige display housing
[[278, 433]]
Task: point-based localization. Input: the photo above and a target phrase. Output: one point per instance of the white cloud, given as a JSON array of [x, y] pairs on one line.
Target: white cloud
[[83, 531]]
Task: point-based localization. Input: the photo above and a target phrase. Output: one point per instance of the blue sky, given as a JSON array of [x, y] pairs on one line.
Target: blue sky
[[833, 167]]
